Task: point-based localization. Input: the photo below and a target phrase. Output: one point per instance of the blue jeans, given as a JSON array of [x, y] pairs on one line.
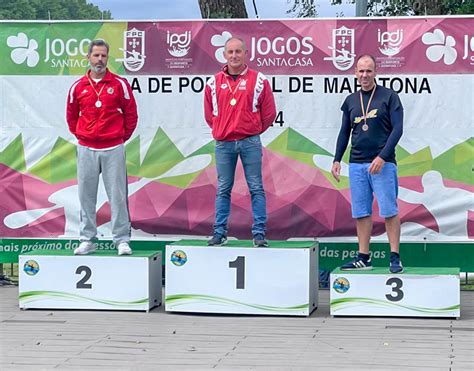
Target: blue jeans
[[250, 152]]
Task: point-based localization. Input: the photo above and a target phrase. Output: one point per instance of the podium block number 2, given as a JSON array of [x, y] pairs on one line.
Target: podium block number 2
[[396, 284], [239, 265], [82, 283]]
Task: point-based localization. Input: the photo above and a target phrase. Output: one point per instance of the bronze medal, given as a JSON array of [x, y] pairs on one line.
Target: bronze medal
[[365, 111]]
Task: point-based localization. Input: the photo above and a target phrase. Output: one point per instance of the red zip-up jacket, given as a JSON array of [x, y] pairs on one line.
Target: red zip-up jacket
[[254, 110], [110, 124]]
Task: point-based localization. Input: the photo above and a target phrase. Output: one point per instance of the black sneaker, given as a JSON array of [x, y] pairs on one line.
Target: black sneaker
[[395, 263], [359, 263], [260, 241], [217, 240]]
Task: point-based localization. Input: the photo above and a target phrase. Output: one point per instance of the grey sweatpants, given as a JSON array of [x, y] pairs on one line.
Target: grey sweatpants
[[111, 164]]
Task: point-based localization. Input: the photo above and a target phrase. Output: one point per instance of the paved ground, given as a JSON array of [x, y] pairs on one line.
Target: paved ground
[[95, 340]]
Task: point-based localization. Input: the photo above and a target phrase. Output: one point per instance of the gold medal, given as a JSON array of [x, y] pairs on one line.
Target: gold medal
[[365, 127], [233, 101], [98, 104]]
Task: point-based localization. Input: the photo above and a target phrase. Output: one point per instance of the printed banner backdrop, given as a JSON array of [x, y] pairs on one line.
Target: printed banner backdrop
[[170, 157]]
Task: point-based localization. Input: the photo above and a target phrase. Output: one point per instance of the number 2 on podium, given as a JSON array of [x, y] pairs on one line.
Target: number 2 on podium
[[239, 265], [82, 283]]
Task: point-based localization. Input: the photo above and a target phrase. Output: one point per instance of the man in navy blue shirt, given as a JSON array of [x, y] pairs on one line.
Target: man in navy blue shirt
[[373, 118]]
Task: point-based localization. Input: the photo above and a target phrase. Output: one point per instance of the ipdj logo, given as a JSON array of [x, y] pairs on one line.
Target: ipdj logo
[[219, 41], [390, 42], [178, 43], [441, 46], [24, 49]]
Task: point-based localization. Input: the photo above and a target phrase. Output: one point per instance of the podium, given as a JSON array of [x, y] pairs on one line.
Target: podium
[[101, 280], [241, 279], [417, 292]]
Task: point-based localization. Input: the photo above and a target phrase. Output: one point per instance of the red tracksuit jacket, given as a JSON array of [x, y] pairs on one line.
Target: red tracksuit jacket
[[110, 124], [254, 110]]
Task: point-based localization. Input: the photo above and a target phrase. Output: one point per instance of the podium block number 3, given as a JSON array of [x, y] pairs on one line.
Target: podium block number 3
[[239, 265], [82, 283], [396, 294]]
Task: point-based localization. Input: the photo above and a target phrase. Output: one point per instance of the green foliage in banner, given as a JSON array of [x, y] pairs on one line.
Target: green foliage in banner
[[14, 155], [161, 156], [401, 153], [208, 149], [456, 164], [181, 181], [132, 150], [297, 147], [294, 145], [59, 165], [416, 164]]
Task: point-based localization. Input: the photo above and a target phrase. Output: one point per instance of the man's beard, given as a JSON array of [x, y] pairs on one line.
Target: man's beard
[[98, 69]]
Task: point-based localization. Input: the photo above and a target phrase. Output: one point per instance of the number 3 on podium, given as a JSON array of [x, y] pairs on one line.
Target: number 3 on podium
[[396, 284]]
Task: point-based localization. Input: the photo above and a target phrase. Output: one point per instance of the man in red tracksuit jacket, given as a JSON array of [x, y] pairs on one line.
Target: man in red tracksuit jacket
[[102, 114], [239, 106]]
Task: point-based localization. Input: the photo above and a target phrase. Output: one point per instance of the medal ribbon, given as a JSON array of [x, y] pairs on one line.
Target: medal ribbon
[[100, 91], [364, 111], [235, 89]]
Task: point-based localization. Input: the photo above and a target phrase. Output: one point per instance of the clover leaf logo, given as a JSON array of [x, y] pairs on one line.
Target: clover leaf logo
[[219, 41], [440, 46], [24, 49]]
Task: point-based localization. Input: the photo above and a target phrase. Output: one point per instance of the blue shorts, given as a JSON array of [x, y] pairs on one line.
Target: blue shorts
[[364, 185]]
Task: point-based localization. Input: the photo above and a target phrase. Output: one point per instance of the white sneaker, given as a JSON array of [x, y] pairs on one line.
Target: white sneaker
[[124, 248], [85, 247]]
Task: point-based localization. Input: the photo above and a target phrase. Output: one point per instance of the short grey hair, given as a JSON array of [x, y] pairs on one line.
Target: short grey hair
[[244, 46], [97, 42]]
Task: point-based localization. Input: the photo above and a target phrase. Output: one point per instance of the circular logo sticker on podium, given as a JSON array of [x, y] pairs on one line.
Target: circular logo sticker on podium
[[341, 285], [179, 258], [31, 267]]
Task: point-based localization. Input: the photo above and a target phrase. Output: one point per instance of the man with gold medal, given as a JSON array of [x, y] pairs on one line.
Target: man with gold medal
[[238, 106], [102, 115], [373, 119]]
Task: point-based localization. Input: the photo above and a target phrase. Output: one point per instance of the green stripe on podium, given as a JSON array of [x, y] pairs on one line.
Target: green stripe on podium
[[249, 243], [422, 271], [100, 253]]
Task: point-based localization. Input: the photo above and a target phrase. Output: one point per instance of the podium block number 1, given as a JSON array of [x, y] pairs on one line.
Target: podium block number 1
[[239, 265], [396, 294], [82, 283], [238, 281]]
